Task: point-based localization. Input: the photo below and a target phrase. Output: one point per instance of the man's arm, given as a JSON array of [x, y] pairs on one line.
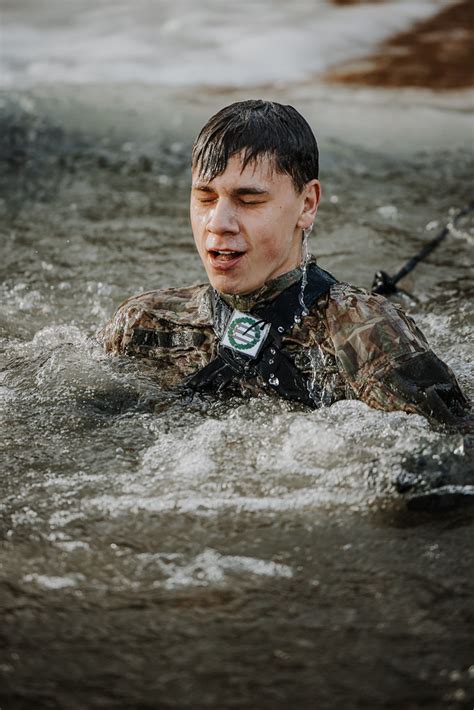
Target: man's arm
[[164, 318], [117, 333], [386, 359]]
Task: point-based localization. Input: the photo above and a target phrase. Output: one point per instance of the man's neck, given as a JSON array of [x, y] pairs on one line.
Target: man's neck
[[265, 293]]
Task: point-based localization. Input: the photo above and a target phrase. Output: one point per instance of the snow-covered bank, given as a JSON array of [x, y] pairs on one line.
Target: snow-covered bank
[[181, 43]]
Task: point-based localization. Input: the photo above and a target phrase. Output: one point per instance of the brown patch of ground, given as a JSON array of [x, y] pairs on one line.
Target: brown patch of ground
[[437, 53]]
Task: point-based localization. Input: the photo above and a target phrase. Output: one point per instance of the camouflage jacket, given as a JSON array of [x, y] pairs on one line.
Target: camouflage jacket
[[351, 345]]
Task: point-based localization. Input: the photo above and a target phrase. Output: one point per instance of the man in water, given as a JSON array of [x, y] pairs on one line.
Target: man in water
[[270, 320]]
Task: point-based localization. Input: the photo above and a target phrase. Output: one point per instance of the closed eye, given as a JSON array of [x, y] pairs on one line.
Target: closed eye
[[209, 200], [252, 202]]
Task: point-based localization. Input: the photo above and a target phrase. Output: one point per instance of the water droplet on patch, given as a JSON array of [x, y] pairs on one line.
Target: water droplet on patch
[[272, 380]]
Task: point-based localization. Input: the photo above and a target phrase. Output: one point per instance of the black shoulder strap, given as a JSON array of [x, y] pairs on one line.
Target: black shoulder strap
[[294, 303], [272, 364]]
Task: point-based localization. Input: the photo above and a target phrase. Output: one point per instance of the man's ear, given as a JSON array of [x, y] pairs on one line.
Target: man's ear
[[311, 195]]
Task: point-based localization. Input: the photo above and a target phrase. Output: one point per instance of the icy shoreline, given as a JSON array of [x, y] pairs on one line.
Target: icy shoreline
[[178, 44]]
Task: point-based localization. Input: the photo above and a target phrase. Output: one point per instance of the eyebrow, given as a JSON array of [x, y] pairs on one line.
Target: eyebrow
[[202, 187], [249, 191]]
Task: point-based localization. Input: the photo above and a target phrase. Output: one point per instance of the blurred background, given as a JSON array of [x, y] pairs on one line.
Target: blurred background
[[235, 45]]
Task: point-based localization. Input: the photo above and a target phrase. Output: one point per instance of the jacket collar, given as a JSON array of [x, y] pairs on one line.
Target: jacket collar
[[266, 293]]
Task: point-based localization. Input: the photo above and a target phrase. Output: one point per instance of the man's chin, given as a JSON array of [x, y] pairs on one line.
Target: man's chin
[[232, 285]]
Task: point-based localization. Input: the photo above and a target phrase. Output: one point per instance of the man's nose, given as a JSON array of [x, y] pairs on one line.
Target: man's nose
[[222, 219]]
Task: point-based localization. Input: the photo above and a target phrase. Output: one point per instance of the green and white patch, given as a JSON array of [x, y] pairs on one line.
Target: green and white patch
[[245, 334]]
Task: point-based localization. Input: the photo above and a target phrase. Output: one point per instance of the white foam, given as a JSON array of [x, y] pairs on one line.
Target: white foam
[[211, 568], [62, 518], [72, 545], [48, 582], [388, 211]]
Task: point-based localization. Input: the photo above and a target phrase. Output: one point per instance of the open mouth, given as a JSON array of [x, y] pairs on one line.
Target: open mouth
[[224, 258]]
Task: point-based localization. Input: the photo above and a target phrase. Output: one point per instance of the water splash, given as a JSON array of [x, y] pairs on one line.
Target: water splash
[[460, 233], [314, 359], [210, 568], [304, 268]]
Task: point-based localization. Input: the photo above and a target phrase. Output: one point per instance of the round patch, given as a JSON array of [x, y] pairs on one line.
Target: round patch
[[244, 333]]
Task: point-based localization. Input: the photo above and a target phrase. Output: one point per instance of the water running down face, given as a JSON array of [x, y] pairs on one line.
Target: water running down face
[[247, 223]]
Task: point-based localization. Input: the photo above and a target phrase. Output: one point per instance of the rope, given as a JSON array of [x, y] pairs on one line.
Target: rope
[[385, 284]]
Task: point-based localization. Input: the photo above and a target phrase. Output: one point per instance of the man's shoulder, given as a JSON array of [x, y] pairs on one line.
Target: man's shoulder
[[185, 304], [164, 309], [368, 328], [352, 305], [345, 297]]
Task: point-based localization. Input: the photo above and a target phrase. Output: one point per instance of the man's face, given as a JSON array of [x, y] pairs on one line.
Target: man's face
[[247, 224]]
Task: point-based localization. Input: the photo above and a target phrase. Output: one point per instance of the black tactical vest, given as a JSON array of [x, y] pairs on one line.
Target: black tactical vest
[[272, 321]]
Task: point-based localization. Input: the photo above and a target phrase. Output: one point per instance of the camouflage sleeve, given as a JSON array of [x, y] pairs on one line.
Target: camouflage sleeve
[[167, 329], [116, 336], [385, 358], [164, 318]]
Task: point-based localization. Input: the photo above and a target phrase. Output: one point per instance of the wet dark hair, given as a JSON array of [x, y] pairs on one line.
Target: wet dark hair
[[258, 128]]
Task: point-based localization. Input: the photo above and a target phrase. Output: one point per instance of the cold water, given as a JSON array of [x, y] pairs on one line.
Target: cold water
[[226, 553]]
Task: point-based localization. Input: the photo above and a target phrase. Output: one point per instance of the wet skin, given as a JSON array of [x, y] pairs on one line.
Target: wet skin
[[247, 224]]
